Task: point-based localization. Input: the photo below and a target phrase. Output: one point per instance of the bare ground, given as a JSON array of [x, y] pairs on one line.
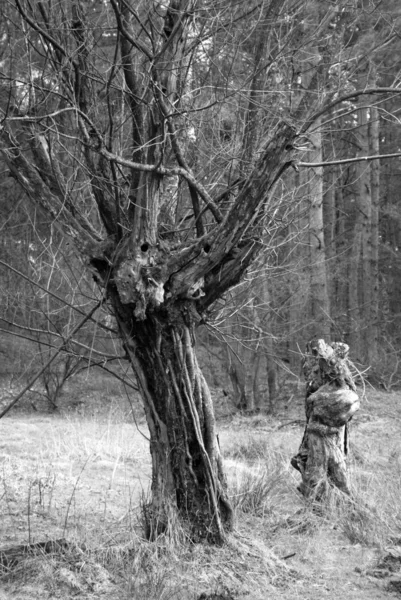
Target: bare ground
[[80, 477]]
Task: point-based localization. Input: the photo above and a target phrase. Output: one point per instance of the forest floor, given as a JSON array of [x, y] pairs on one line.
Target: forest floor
[[80, 475]]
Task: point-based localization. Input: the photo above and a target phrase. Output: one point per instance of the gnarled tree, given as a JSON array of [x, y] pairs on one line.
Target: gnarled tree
[[94, 125], [139, 130]]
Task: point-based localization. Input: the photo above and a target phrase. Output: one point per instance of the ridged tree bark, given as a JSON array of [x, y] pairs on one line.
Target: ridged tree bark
[[157, 284]]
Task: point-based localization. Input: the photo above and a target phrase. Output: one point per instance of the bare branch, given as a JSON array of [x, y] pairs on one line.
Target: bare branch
[[346, 161], [186, 173], [136, 43], [49, 362], [62, 300], [41, 31], [76, 226], [350, 96], [43, 332]]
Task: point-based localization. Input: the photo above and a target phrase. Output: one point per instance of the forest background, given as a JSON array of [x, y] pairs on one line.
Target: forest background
[[330, 263]]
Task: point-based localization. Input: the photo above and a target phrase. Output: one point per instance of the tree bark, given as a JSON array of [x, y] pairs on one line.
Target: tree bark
[[158, 286], [373, 330], [320, 306], [298, 282], [360, 287], [329, 222], [342, 280], [331, 401], [187, 473]]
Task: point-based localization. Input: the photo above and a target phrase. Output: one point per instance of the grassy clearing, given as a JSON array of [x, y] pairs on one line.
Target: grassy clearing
[[67, 475], [81, 477]]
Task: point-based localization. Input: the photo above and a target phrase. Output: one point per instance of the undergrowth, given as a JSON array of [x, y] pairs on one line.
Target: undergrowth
[[78, 480]]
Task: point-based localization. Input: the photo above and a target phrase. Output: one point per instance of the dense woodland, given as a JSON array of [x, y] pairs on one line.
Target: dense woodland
[[193, 168]]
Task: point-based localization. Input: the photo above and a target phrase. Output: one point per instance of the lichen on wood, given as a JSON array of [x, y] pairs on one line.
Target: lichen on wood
[[330, 403]]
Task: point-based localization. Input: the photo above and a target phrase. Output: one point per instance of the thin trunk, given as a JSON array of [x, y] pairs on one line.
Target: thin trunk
[[360, 275], [329, 220], [373, 331], [264, 322], [341, 279], [271, 368], [241, 361], [320, 307], [258, 403], [299, 318], [237, 378]]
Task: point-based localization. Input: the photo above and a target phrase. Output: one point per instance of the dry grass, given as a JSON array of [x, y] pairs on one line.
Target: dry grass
[[82, 477], [259, 478]]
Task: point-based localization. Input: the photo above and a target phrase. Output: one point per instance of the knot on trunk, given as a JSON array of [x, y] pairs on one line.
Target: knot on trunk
[[140, 277]]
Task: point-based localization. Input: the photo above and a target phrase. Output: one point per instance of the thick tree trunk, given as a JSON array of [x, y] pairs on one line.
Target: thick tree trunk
[[187, 474]]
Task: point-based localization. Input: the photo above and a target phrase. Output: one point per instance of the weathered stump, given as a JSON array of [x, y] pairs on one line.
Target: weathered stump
[[330, 403]]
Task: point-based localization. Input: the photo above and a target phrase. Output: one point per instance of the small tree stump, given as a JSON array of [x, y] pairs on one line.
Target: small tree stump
[[330, 403]]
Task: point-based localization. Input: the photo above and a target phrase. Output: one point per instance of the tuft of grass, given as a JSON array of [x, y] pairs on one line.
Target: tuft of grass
[[137, 571], [165, 527], [259, 478], [252, 449], [152, 574], [372, 515], [257, 492]]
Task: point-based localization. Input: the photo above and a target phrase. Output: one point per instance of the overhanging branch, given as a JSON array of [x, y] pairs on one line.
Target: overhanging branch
[[345, 161], [355, 94], [41, 31], [47, 291], [135, 42], [43, 332], [185, 173], [49, 362]]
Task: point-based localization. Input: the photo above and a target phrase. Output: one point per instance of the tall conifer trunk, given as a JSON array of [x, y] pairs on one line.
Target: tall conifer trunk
[[373, 331], [320, 306], [360, 261]]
